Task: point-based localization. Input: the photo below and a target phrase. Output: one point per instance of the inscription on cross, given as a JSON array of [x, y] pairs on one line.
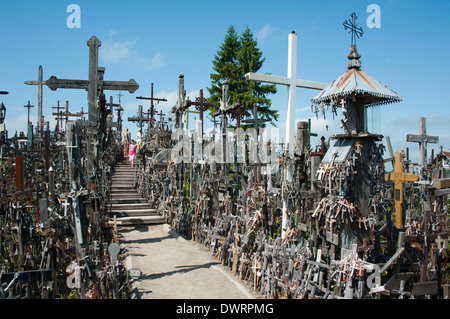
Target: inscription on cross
[[423, 139], [292, 83]]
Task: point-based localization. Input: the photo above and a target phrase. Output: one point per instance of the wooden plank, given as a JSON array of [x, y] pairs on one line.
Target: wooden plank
[[425, 288], [442, 183]]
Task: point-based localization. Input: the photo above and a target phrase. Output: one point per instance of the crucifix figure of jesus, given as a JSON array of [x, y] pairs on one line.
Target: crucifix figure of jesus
[[292, 83]]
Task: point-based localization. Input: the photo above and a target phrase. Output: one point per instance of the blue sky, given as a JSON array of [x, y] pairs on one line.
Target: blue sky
[[155, 41]]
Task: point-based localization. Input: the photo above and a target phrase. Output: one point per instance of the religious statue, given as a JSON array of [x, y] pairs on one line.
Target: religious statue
[[126, 142]]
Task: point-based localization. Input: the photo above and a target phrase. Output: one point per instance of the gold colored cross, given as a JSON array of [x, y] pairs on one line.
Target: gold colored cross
[[399, 177]]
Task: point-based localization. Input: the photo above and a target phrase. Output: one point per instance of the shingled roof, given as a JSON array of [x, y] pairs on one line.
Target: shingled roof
[[356, 83]]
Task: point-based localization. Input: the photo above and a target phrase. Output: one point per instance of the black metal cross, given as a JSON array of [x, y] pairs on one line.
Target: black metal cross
[[356, 31]]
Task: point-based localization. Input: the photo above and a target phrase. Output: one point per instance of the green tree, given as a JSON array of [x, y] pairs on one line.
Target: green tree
[[236, 57]]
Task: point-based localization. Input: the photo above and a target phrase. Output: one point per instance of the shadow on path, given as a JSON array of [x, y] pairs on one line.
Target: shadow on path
[[184, 269]]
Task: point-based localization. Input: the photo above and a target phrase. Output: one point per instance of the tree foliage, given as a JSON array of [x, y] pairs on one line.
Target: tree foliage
[[237, 56]]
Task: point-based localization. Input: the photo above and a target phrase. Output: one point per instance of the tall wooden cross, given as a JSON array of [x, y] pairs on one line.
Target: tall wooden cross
[[292, 83], [224, 109], [422, 139], [399, 177], [182, 104], [152, 107], [28, 106], [95, 85]]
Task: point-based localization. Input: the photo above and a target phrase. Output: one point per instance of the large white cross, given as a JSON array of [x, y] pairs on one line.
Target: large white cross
[[292, 83]]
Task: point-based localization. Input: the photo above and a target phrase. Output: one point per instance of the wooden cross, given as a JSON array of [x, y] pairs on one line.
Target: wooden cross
[[140, 118], [28, 106], [236, 240], [67, 114], [399, 177], [200, 105], [152, 107], [422, 139], [92, 85], [181, 105], [292, 83], [58, 117]]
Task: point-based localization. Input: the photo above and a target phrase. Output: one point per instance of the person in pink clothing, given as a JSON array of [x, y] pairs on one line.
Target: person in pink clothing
[[132, 152]]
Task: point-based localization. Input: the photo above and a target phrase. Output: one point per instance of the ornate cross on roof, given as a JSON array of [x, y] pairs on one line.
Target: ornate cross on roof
[[352, 25]]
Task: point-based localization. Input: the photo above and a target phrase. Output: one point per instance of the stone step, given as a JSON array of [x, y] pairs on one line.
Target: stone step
[[123, 186], [142, 220], [134, 212], [143, 205], [127, 200]]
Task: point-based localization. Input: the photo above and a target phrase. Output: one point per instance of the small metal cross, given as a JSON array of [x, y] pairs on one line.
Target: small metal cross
[[356, 31]]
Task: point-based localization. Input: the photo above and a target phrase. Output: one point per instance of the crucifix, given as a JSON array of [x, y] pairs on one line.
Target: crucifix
[[422, 139], [292, 83], [181, 105], [151, 98], [399, 177]]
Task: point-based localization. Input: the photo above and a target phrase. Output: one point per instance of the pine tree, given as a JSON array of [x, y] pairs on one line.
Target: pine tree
[[236, 57], [226, 66]]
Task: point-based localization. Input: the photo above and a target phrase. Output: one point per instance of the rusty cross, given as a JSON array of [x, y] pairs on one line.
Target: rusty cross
[[200, 105]]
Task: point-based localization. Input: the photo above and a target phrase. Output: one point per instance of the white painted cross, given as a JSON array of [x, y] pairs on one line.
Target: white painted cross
[[292, 83]]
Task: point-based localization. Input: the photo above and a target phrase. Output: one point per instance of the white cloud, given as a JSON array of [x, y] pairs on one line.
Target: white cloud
[[114, 51], [118, 51], [265, 32]]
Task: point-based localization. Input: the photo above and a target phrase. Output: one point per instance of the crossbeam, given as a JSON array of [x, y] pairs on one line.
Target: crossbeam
[[292, 83]]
